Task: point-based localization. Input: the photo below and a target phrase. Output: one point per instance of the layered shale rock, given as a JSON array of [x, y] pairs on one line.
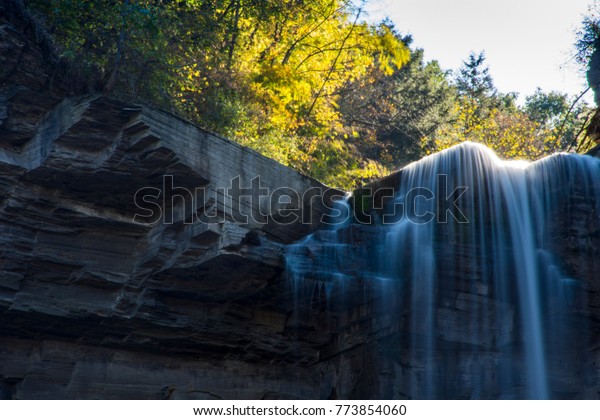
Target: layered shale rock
[[136, 258], [144, 257]]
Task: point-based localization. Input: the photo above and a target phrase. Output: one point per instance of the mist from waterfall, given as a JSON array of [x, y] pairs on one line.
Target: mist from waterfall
[[483, 303]]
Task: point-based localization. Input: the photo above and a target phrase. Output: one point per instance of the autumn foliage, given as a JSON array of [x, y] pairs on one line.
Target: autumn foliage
[[311, 83]]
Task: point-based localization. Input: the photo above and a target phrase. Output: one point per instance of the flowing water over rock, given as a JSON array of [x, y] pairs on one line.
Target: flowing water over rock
[[476, 260]]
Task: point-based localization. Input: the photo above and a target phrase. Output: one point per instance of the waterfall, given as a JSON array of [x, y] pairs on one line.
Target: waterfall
[[469, 260]]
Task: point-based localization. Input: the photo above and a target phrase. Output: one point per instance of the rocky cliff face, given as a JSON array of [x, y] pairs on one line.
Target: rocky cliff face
[[593, 79], [141, 256], [128, 268]]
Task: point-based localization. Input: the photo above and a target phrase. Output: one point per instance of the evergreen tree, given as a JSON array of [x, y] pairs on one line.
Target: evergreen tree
[[474, 79]]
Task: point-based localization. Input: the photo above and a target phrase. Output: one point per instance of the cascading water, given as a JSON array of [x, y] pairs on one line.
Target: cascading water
[[466, 256]]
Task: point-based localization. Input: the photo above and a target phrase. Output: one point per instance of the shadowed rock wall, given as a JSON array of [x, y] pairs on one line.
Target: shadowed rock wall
[[98, 303], [95, 303]]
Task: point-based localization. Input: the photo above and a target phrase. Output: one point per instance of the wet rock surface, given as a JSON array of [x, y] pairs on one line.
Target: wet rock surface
[[95, 303], [464, 332]]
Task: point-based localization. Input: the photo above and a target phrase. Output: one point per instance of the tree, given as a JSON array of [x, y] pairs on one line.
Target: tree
[[512, 135], [392, 114], [484, 115], [587, 47], [268, 74], [588, 53], [474, 80], [559, 117]]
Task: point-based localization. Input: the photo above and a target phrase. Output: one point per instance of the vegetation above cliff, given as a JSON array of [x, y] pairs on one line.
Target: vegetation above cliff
[[307, 82]]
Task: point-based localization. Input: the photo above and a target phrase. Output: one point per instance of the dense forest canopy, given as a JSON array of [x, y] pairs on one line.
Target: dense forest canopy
[[309, 83]]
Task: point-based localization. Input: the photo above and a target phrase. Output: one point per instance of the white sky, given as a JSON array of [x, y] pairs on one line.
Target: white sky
[[528, 43]]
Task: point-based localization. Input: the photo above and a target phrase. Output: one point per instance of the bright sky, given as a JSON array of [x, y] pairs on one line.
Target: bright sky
[[528, 43]]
